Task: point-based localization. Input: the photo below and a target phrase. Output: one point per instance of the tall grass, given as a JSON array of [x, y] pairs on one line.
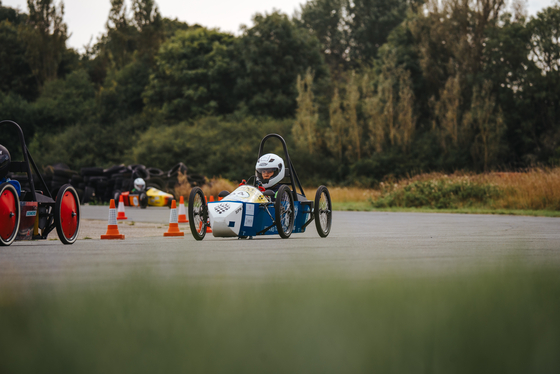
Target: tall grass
[[533, 189], [348, 194], [491, 322]]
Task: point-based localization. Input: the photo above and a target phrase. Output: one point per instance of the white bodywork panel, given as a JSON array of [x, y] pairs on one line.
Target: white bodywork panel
[[225, 218]]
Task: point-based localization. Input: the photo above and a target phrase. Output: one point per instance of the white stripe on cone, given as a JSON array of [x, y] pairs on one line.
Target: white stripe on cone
[[121, 206], [112, 216], [173, 217], [182, 209]]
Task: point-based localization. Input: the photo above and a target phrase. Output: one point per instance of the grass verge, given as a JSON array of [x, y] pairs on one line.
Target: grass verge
[[504, 320], [534, 192], [368, 207]]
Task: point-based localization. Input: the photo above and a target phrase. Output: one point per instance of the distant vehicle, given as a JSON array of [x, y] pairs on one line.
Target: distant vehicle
[[30, 213], [151, 197], [248, 211], [159, 198]]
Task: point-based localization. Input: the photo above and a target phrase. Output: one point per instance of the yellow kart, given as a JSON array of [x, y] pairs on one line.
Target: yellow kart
[[159, 198]]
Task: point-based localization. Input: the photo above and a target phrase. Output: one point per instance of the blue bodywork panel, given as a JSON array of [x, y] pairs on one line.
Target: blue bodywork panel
[[256, 218]]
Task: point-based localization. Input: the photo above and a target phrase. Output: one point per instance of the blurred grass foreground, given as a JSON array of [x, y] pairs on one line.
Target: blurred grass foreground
[[501, 321]]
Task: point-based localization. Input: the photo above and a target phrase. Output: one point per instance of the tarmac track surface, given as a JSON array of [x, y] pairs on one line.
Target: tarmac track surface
[[362, 245]]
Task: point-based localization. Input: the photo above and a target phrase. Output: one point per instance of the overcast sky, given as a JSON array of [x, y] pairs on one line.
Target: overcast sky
[[86, 18]]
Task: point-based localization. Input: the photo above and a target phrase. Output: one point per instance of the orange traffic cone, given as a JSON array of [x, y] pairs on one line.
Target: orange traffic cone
[[211, 198], [182, 213], [112, 227], [120, 213], [173, 224]]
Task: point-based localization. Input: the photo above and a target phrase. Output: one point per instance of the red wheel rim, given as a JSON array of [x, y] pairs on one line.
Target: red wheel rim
[[69, 214], [8, 214]]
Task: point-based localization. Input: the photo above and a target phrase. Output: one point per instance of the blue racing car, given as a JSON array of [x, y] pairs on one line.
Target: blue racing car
[[271, 205]]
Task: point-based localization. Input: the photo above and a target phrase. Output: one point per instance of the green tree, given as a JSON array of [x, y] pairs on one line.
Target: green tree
[[200, 144], [406, 117], [326, 20], [448, 117], [65, 102], [15, 74], [336, 133], [373, 114], [488, 124], [305, 125], [194, 75], [516, 83], [352, 31], [272, 54], [351, 103], [148, 22], [122, 90], [371, 22], [541, 88], [121, 40], [45, 35]]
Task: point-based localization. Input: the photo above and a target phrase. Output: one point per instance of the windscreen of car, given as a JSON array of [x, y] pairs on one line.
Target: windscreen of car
[[248, 194]]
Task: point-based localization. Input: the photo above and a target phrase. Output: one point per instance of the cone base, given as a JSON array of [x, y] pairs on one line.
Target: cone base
[[112, 236], [112, 233], [120, 218], [183, 218], [174, 233]]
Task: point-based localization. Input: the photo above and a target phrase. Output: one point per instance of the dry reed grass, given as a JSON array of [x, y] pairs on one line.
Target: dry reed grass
[[533, 189], [346, 194], [536, 189]]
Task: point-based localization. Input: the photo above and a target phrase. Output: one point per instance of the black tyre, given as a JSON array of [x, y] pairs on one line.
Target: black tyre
[[76, 180], [64, 173], [140, 171], [91, 171], [284, 211], [10, 212], [59, 179], [116, 196], [196, 179], [322, 211], [89, 195], [156, 182], [198, 213], [67, 214], [143, 198], [113, 170], [180, 167], [155, 172]]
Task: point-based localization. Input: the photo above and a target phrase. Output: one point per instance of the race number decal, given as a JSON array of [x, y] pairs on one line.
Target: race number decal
[[250, 209], [248, 221]]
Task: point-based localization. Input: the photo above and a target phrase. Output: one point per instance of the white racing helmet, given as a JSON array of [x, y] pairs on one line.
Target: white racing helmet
[[270, 163], [139, 184]]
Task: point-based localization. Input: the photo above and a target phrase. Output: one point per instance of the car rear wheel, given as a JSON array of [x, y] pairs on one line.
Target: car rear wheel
[[284, 211], [10, 212], [67, 214], [198, 213], [323, 211]]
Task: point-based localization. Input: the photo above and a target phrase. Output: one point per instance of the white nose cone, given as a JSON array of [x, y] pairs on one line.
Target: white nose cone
[[225, 218]]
